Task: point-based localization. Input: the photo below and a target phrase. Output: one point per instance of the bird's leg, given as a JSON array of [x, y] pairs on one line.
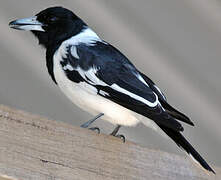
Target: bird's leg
[[114, 133], [88, 123]]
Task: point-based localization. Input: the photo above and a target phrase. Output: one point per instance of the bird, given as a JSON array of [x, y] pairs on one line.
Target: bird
[[101, 80]]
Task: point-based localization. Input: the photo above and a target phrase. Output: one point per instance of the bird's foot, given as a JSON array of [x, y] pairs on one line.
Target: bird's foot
[[120, 136], [114, 133], [95, 129]]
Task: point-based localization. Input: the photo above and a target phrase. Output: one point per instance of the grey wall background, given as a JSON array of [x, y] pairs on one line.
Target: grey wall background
[[176, 43]]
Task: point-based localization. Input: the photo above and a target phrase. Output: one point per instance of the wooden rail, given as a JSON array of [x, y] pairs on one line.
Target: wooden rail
[[32, 147]]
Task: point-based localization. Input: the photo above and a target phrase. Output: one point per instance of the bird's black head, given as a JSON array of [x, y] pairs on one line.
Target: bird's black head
[[51, 26]]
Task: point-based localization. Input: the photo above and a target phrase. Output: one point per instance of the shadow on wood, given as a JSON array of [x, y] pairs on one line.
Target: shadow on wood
[[32, 147]]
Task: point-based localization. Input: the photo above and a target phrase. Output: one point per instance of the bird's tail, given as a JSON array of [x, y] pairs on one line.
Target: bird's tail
[[175, 113], [185, 145]]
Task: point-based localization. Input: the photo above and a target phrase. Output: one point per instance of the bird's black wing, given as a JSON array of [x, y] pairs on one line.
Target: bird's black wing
[[115, 78], [171, 110]]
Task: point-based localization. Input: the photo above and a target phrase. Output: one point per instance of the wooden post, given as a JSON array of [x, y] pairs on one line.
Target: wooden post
[[32, 147]]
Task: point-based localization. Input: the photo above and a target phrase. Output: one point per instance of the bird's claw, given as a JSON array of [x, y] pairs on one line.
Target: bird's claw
[[121, 137], [95, 129]]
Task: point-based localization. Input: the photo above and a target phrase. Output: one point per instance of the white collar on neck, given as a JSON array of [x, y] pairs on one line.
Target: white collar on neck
[[87, 36]]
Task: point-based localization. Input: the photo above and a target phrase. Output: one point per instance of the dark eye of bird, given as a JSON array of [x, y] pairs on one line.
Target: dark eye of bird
[[52, 19]]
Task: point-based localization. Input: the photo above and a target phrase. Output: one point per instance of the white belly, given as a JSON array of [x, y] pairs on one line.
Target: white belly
[[85, 97]]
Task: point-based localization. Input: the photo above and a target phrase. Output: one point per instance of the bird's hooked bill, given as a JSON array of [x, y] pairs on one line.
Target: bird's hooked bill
[[27, 24]]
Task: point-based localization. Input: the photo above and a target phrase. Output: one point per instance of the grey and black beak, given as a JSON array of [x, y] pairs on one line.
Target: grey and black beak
[[27, 24]]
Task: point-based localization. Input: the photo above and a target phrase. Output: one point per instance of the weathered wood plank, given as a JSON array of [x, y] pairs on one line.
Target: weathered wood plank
[[32, 147]]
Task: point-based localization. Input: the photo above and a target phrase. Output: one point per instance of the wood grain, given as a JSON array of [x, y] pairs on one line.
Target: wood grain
[[32, 147]]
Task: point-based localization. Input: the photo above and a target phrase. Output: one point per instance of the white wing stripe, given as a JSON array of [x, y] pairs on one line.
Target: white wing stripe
[[141, 79], [90, 74], [74, 52], [158, 89], [68, 67], [134, 96]]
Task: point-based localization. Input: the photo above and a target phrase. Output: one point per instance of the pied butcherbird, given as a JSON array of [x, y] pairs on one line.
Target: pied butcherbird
[[98, 78]]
